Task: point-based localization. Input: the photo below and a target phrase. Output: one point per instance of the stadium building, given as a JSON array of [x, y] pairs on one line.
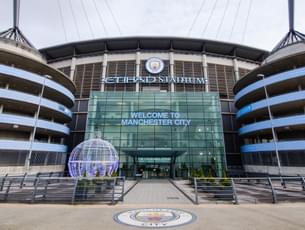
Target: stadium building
[[35, 102], [271, 107], [165, 103]]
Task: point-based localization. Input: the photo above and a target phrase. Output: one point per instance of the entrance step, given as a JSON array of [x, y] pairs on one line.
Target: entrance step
[[155, 191]]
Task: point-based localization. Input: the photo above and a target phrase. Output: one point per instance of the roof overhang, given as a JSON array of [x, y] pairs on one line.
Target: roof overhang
[[121, 44]]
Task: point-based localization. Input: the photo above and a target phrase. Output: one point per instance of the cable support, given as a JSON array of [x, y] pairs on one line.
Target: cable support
[[209, 19], [87, 18], [247, 20], [100, 17], [196, 17], [62, 20], [222, 19], [114, 18], [235, 19], [74, 19]]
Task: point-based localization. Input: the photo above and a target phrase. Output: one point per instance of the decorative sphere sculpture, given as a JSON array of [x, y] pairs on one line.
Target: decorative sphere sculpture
[[91, 158]]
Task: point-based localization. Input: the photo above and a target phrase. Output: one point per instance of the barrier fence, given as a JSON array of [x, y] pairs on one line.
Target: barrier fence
[[248, 190], [50, 189]]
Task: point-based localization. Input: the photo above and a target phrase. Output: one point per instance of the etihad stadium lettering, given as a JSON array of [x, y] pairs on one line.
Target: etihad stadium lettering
[[157, 79]]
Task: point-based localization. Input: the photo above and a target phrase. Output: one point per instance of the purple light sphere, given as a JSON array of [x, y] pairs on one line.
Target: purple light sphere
[[94, 157]]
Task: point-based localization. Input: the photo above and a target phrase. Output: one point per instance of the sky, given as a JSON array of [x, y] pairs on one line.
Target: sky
[[256, 23]]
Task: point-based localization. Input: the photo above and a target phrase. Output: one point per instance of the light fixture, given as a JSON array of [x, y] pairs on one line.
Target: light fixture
[[15, 126]]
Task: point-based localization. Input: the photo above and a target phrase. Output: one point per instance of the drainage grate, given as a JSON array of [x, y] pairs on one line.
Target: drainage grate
[[172, 198]]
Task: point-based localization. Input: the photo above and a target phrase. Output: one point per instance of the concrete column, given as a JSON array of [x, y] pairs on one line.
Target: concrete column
[[205, 71], [72, 68], [171, 69], [46, 158], [236, 70], [138, 63], [32, 132], [104, 69]]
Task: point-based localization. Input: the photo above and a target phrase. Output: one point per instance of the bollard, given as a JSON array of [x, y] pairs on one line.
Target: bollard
[[303, 183], [234, 191], [113, 188], [74, 191], [196, 191], [272, 191], [22, 180], [3, 181], [122, 194], [8, 189]]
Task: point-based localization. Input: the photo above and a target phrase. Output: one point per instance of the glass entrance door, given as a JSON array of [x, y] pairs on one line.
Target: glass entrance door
[[157, 167]]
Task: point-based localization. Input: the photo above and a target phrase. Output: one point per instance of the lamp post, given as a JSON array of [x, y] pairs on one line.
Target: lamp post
[[28, 159], [274, 136]]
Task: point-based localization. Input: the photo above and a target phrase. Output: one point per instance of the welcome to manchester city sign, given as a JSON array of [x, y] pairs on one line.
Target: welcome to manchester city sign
[[155, 118], [155, 79]]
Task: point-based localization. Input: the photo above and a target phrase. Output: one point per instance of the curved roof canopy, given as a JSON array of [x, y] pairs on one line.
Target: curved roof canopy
[[122, 44]]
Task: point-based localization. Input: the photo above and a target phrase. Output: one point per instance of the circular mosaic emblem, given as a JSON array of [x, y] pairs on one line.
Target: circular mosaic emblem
[[154, 217], [154, 65]]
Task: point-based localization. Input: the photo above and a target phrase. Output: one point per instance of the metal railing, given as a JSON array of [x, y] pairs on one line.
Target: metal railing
[[51, 189], [248, 190]]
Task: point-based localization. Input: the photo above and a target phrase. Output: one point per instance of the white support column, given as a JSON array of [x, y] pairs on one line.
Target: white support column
[[236, 71], [171, 69], [104, 69], [33, 131], [205, 71], [138, 63], [72, 68]]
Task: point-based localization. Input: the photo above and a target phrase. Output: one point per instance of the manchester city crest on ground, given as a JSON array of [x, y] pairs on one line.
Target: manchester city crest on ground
[[155, 217], [154, 65]]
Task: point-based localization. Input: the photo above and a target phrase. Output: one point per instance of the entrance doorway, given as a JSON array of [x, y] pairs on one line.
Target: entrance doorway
[[154, 167], [150, 171]]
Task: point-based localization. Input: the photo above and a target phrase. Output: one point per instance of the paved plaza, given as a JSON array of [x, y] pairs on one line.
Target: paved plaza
[[155, 192], [93, 217]]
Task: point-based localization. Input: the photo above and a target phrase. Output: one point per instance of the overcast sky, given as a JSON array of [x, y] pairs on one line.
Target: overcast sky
[[265, 25]]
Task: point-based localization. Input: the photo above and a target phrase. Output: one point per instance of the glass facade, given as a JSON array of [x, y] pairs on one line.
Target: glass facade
[[160, 133]]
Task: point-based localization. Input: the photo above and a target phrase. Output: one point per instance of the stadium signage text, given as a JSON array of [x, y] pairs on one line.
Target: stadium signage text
[[156, 79], [155, 118]]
